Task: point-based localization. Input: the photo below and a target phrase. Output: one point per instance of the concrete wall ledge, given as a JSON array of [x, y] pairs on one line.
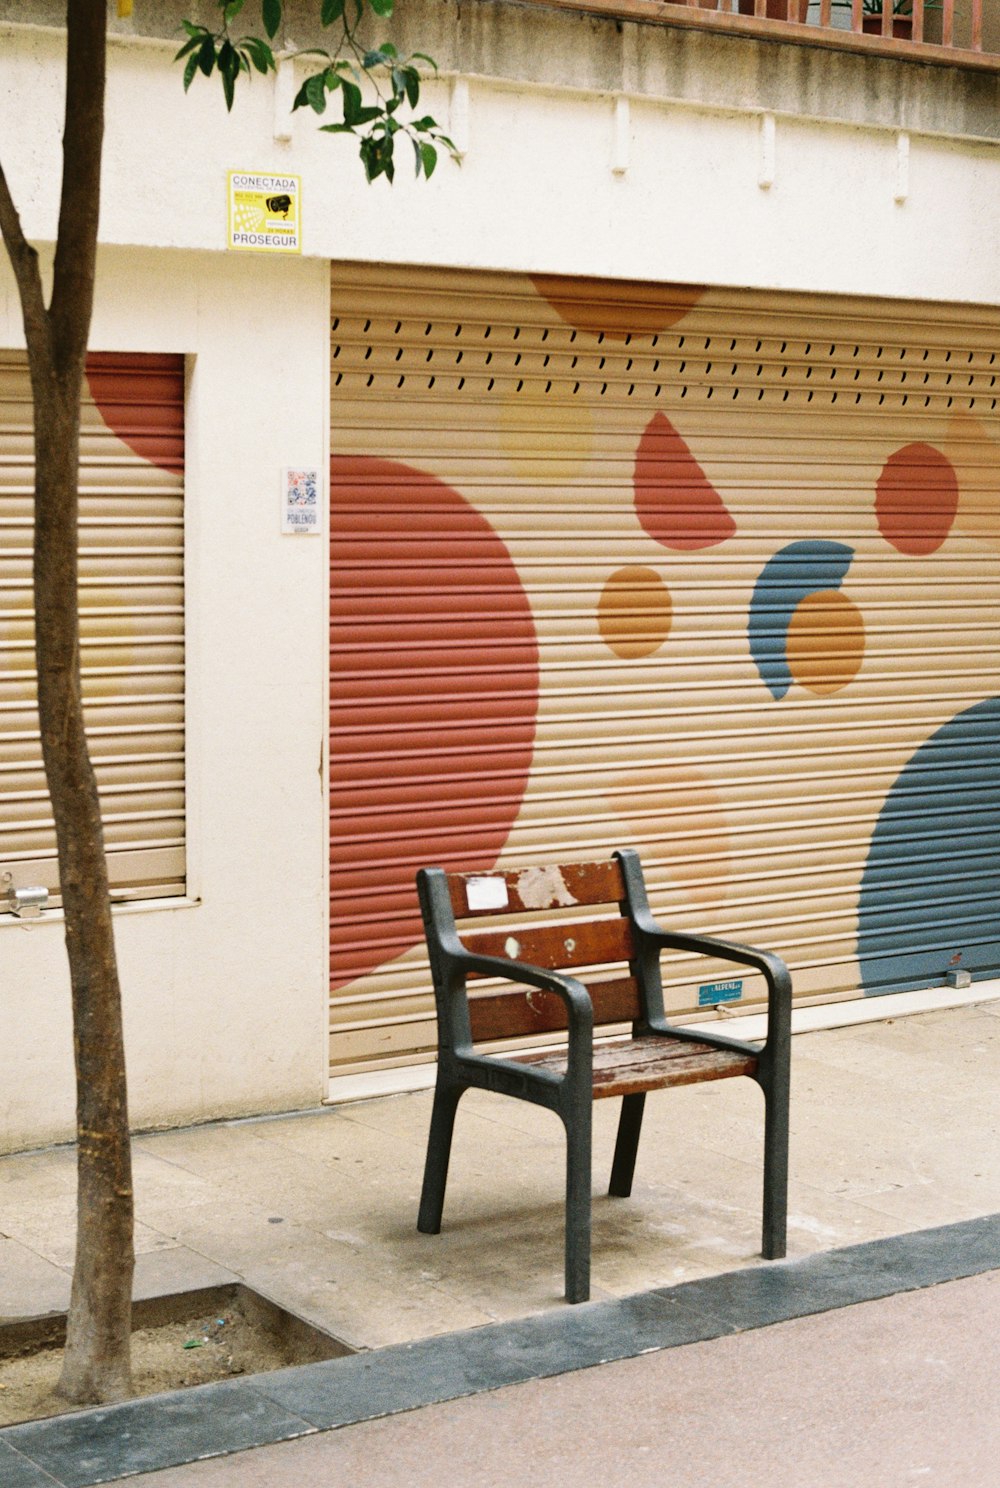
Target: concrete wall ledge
[[657, 51]]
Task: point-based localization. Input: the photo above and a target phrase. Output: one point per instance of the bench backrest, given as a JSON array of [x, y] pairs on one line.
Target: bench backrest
[[521, 905]]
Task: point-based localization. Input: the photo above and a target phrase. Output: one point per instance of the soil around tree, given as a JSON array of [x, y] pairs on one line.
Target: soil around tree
[[222, 1343]]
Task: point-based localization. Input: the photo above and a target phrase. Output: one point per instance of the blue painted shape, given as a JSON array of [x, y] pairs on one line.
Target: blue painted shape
[[795, 571], [712, 992], [930, 894]]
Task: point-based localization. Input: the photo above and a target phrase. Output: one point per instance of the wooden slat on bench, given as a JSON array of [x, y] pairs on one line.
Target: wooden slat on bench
[[516, 1011], [557, 947], [649, 1063], [545, 887]]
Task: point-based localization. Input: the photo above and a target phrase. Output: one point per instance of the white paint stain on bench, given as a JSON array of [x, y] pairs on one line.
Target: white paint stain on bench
[[543, 888]]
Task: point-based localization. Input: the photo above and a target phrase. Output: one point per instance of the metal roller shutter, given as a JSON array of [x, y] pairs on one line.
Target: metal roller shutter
[[713, 574], [132, 623]]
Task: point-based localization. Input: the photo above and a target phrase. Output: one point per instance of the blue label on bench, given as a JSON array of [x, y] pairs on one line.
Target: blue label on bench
[[713, 992]]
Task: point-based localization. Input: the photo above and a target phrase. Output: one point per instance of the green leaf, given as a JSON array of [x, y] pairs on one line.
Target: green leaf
[[229, 61], [271, 16], [206, 56], [189, 71], [381, 7], [315, 91], [352, 102], [259, 53], [332, 11], [428, 156], [412, 80], [192, 29], [189, 46], [232, 9], [229, 67], [423, 57]]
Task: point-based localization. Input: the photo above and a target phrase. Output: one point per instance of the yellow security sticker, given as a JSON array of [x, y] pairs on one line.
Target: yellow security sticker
[[264, 212]]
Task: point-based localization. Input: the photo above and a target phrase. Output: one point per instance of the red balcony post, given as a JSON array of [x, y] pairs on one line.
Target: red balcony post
[[918, 20]]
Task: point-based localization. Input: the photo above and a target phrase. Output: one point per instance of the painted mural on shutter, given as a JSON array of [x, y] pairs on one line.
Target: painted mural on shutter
[[713, 574], [132, 623]]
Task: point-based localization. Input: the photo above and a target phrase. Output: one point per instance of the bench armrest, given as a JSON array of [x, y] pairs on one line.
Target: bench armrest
[[773, 968], [655, 938], [458, 963], [572, 993]]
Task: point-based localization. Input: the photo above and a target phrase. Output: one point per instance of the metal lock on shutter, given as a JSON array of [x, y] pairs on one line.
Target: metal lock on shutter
[[27, 903]]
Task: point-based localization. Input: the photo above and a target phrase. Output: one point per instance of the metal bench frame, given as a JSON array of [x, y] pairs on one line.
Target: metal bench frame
[[570, 1093]]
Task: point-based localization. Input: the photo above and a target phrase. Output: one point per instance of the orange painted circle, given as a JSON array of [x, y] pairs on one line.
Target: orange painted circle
[[916, 499], [617, 308], [826, 641], [635, 612]]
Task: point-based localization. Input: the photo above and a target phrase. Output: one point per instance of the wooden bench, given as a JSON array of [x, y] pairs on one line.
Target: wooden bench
[[530, 951]]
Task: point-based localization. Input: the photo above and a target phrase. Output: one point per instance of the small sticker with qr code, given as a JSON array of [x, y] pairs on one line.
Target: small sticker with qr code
[[300, 500]]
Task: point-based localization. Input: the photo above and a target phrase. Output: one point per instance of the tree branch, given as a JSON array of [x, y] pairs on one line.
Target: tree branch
[[27, 274], [80, 201]]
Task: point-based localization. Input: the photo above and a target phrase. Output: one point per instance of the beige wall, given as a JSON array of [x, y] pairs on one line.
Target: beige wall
[[225, 995], [538, 188], [635, 152]]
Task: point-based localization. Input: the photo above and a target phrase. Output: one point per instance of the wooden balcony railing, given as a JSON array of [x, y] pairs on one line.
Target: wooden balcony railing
[[899, 20], [951, 31]]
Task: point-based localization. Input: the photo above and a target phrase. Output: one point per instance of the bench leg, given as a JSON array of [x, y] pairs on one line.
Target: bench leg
[[774, 1243], [627, 1145], [578, 1178], [446, 1099]]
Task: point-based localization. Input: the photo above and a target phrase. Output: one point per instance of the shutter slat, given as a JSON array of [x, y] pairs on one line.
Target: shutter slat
[[839, 826], [131, 608]]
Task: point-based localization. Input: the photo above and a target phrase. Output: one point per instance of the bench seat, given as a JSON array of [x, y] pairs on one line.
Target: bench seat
[[650, 1062]]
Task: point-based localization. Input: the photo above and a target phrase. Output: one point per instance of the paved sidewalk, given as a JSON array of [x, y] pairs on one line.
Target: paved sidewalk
[[895, 1163], [895, 1127], [771, 1393], [897, 1392]]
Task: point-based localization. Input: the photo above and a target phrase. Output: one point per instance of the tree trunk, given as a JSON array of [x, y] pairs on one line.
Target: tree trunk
[[96, 1367], [96, 1364]]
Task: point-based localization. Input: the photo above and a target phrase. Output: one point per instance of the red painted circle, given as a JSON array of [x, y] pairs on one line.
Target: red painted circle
[[916, 499], [674, 499], [140, 396], [434, 695]]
